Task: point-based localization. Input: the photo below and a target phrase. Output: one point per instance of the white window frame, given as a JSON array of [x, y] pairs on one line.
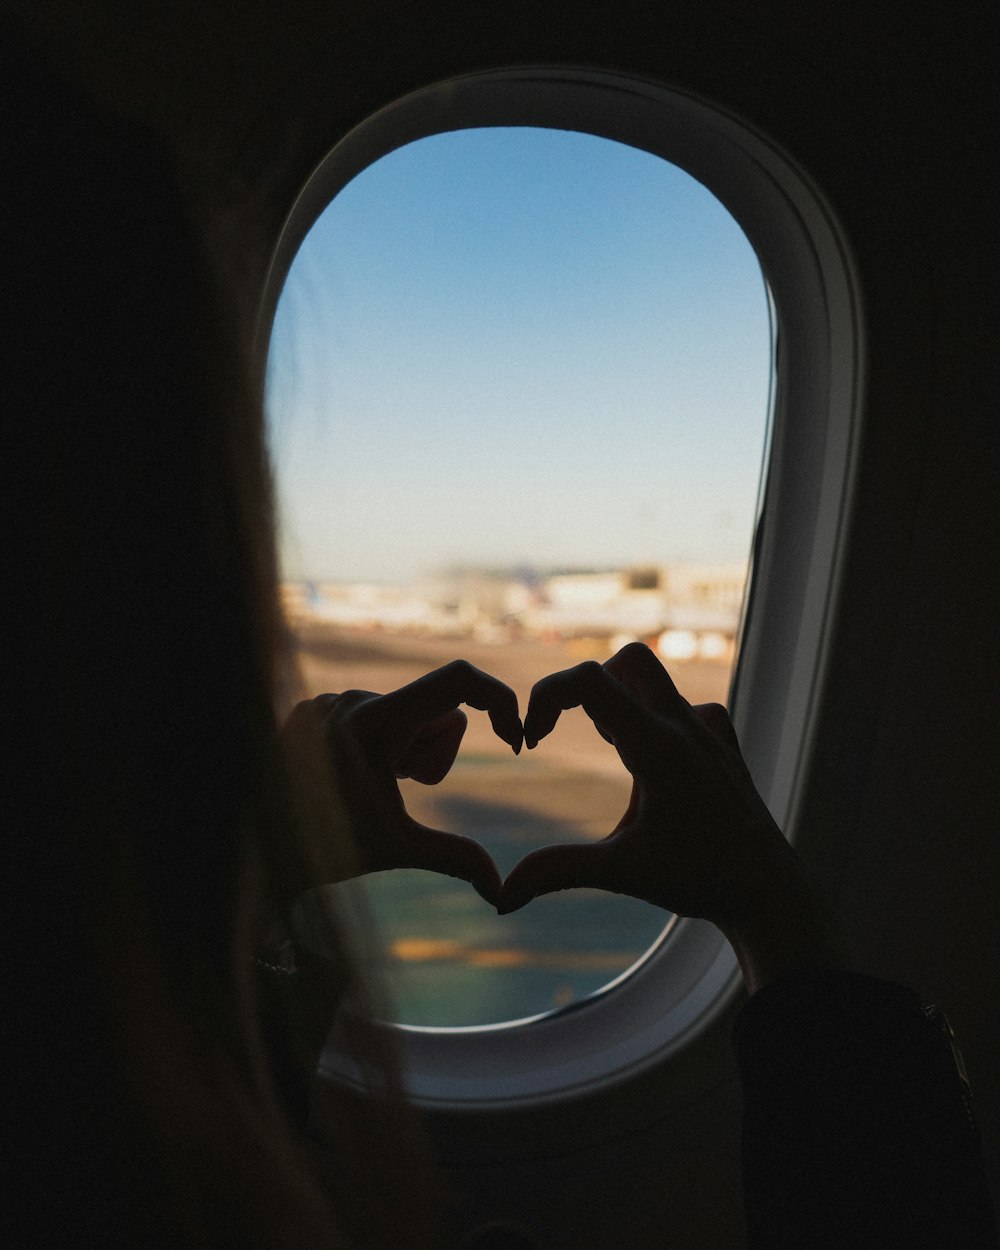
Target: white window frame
[[690, 977]]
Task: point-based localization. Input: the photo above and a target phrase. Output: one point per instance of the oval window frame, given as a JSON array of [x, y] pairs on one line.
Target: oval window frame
[[683, 985]]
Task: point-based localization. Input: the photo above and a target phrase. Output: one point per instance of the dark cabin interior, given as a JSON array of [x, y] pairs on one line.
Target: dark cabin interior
[[891, 110]]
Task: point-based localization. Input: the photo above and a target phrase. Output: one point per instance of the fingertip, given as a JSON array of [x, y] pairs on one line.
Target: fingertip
[[509, 729], [513, 900], [534, 731]]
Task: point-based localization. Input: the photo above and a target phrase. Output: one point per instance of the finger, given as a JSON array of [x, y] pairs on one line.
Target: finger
[[452, 855], [643, 676], [631, 812], [715, 716], [431, 753], [326, 701], [439, 692], [572, 865], [592, 687]]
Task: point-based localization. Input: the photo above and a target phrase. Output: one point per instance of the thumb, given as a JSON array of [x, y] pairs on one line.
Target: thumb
[[450, 854], [432, 750], [568, 866], [715, 716]]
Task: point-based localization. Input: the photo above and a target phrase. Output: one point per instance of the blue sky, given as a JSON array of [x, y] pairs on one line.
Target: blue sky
[[518, 346]]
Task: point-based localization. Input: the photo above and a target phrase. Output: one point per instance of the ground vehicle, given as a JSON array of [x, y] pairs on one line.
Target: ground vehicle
[[890, 114]]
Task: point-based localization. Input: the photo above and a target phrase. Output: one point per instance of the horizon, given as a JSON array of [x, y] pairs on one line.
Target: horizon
[[512, 572]]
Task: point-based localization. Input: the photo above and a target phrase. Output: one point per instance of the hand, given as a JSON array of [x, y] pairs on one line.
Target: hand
[[697, 838], [413, 732]]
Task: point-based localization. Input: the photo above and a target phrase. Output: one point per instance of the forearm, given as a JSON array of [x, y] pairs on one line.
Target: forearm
[[302, 975], [780, 921]]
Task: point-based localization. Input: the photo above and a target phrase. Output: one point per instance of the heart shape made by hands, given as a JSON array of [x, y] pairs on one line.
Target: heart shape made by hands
[[415, 733], [688, 778], [572, 789]]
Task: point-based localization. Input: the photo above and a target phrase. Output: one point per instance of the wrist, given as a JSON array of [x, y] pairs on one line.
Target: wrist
[[782, 924]]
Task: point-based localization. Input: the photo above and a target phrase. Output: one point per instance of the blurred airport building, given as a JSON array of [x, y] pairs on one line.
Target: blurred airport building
[[686, 611]]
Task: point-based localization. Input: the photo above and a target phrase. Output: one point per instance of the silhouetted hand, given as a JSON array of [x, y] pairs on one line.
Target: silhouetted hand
[[697, 838], [415, 732]]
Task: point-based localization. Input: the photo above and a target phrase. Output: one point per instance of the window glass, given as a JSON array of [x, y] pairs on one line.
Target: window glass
[[518, 391]]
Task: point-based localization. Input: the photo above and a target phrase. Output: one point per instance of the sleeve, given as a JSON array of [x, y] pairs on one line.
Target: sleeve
[[856, 1131]]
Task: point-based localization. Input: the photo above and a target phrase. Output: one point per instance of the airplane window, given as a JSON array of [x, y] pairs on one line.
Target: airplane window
[[518, 390]]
